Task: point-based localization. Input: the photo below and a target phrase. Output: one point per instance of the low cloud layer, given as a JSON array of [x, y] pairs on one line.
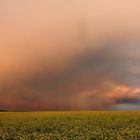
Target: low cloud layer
[[56, 58]]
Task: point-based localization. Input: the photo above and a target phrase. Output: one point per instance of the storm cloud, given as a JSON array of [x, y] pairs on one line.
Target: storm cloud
[[69, 55]]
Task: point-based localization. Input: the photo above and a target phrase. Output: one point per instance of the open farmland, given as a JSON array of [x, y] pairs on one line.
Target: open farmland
[[110, 125]]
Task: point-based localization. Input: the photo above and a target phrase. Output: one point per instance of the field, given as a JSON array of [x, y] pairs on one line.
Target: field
[[102, 125]]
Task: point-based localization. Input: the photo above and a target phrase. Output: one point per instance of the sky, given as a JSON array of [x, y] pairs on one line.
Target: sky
[[69, 55]]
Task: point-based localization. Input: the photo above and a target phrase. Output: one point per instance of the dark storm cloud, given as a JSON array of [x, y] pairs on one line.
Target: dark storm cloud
[[128, 100], [80, 86]]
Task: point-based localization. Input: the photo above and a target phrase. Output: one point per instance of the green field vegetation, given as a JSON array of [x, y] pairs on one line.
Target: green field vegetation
[[108, 125]]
